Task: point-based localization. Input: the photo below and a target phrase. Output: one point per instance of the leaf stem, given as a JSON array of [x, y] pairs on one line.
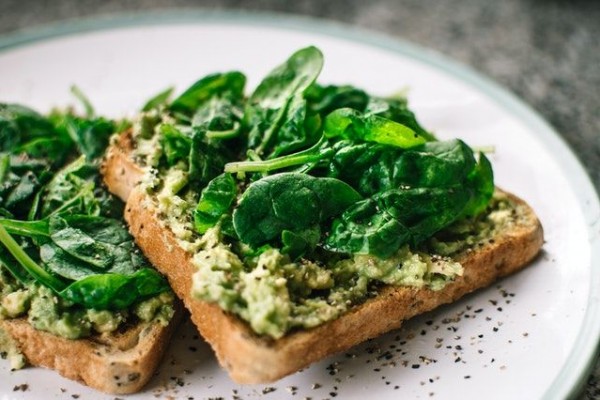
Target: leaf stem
[[30, 229], [34, 269], [312, 154]]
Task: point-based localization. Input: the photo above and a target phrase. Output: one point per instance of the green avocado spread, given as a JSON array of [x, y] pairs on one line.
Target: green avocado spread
[[48, 312]]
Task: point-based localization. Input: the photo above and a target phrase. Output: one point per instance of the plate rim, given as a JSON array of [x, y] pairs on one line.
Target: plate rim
[[570, 381]]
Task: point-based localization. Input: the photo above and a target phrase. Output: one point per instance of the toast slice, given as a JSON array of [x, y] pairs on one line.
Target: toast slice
[[250, 358], [118, 363]]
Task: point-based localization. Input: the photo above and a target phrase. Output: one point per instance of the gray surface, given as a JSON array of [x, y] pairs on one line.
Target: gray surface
[[545, 51]]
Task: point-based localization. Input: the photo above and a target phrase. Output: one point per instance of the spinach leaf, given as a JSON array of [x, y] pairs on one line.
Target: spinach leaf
[[215, 85], [219, 116], [347, 123], [276, 113], [206, 161], [158, 100], [383, 223], [364, 228], [325, 99], [297, 244], [413, 194], [375, 168], [71, 190], [481, 183], [24, 131], [85, 259], [176, 143], [90, 135], [115, 291], [343, 129], [215, 200], [288, 202], [396, 109], [21, 179]]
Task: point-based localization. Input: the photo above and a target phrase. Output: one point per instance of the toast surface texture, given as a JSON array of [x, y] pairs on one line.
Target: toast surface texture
[[250, 358], [118, 363]]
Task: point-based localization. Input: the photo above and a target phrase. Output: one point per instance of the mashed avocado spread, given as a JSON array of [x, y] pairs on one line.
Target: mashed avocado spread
[[48, 312]]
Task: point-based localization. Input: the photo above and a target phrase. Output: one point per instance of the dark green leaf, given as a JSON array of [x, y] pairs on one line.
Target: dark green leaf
[[176, 143], [297, 244], [325, 99], [288, 201], [212, 85], [347, 123], [115, 291], [215, 200], [276, 112], [158, 100]]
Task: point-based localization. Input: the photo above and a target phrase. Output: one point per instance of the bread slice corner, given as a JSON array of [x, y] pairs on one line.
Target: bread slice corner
[[119, 362]]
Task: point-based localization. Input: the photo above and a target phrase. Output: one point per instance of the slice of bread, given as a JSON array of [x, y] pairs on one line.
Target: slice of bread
[[250, 358], [118, 363]]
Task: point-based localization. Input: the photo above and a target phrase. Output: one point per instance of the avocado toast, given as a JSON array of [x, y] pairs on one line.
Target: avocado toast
[[304, 219], [76, 295]]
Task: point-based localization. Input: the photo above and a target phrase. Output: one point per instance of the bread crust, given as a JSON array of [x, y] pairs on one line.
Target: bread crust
[[120, 362], [250, 358]]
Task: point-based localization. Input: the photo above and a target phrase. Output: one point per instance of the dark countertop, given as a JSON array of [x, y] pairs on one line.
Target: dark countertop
[[547, 52]]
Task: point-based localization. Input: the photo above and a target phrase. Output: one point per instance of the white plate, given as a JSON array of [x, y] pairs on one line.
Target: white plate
[[531, 336]]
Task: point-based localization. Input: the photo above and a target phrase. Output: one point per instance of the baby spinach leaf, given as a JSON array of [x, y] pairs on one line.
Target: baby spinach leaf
[[24, 131], [82, 245], [219, 117], [71, 190], [288, 201], [325, 99], [481, 182], [115, 291], [175, 142], [77, 242], [91, 136], [215, 85], [205, 160], [396, 109], [19, 124], [385, 222], [158, 100], [33, 268], [297, 244], [21, 179], [276, 112], [215, 200], [376, 168], [347, 123], [364, 228]]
